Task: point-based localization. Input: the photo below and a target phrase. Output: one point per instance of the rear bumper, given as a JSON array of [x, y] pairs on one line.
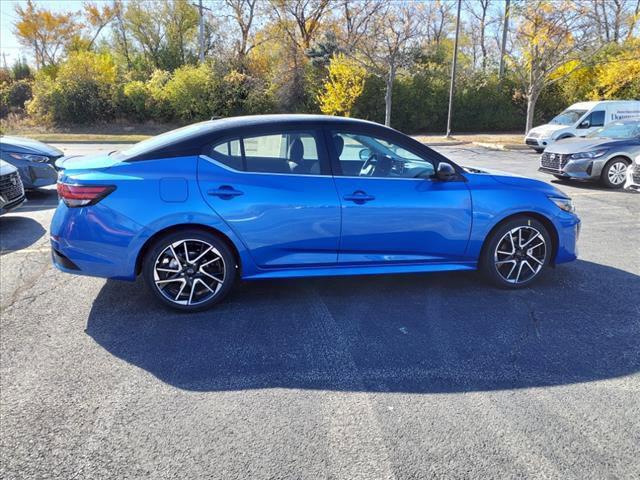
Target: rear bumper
[[93, 241]]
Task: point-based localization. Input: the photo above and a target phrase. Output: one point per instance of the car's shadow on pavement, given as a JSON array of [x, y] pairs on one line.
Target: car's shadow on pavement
[[417, 333], [18, 232]]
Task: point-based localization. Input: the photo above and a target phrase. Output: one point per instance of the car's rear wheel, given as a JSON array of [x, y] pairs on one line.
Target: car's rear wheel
[[517, 253], [189, 270], [614, 173]]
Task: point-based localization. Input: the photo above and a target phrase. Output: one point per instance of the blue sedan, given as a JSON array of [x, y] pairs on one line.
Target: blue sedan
[[194, 209], [34, 160]]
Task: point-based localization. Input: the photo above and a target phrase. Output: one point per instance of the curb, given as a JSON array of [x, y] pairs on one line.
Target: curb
[[503, 146]]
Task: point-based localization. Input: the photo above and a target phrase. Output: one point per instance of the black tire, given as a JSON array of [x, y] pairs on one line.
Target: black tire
[[496, 274], [197, 277], [608, 172], [538, 150]]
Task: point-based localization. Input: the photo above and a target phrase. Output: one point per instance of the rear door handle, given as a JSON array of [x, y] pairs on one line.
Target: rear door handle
[[359, 197], [225, 192]]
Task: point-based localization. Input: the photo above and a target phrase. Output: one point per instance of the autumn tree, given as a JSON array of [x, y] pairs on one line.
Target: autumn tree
[[549, 35], [613, 20], [98, 16], [300, 19], [243, 14], [343, 86], [46, 34], [390, 44], [478, 11]]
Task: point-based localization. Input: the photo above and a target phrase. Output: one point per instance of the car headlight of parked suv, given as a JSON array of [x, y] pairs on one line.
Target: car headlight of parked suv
[[564, 203], [592, 154], [29, 157]]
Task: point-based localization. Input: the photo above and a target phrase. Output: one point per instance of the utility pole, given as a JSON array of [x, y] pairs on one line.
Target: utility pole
[[505, 30], [201, 9], [453, 71]]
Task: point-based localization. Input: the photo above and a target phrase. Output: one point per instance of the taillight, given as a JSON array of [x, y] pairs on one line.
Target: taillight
[[83, 195]]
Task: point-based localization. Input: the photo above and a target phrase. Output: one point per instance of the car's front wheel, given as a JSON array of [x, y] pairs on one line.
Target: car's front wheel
[[614, 173], [517, 253], [189, 270]]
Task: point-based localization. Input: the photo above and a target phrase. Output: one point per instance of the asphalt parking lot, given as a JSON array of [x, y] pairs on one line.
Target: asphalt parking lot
[[419, 376]]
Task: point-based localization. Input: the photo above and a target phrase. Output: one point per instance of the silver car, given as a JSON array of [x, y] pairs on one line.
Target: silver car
[[603, 156], [11, 190]]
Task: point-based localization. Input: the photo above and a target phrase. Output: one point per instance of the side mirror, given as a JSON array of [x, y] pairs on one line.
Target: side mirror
[[364, 154], [445, 172], [585, 124]]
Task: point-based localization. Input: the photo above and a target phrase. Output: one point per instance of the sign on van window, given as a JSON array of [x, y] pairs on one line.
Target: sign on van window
[[624, 114]]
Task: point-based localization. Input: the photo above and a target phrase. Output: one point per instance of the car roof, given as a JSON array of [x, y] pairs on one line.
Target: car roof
[[591, 104], [289, 118], [191, 139]]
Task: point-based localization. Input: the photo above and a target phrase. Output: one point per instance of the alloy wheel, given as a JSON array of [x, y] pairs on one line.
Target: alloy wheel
[[189, 272], [520, 254], [617, 173]]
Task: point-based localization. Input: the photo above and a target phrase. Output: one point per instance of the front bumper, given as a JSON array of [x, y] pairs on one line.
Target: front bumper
[[568, 227], [7, 207], [35, 174], [582, 169], [538, 143]]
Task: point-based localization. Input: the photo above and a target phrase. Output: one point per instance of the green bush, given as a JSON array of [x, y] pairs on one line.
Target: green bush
[[81, 91], [190, 93], [19, 93], [135, 101]]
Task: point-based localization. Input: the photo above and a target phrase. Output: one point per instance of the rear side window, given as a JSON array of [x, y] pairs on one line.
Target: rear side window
[[286, 152], [228, 153]]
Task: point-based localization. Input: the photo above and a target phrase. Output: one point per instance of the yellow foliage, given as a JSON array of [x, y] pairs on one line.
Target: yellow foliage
[[619, 77], [96, 67], [343, 87]]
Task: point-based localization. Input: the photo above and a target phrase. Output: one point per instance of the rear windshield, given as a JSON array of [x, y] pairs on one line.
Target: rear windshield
[[568, 117], [165, 139]]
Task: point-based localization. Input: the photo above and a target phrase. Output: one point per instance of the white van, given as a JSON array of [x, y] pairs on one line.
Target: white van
[[580, 119]]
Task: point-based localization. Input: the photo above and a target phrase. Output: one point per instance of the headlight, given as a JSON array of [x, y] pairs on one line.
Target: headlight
[[564, 203], [29, 157], [592, 154]]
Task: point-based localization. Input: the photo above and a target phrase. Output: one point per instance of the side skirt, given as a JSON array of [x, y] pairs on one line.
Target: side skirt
[[359, 270]]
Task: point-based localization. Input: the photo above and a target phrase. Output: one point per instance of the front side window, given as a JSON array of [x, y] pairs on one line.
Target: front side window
[[286, 152], [596, 119], [568, 117], [367, 156]]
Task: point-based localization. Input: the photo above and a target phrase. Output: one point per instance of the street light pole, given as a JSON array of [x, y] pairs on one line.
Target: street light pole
[[453, 71], [201, 32], [201, 9]]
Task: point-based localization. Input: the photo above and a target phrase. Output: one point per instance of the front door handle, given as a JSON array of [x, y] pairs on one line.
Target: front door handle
[[359, 197], [226, 192]]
